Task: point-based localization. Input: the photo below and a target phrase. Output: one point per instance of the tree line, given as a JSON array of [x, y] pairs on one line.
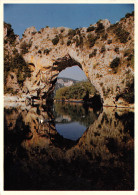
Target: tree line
[[79, 91]]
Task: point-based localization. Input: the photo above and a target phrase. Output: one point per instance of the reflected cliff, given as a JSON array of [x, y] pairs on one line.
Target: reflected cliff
[[39, 157]]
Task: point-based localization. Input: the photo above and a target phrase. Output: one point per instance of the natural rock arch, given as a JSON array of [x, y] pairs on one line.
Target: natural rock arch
[[105, 53], [48, 76]]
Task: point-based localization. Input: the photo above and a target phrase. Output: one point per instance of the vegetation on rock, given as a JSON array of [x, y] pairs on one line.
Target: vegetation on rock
[[90, 28], [104, 36], [109, 41], [128, 93], [89, 47], [55, 40], [100, 27], [93, 53], [18, 65], [13, 61], [25, 47], [71, 33], [46, 51], [91, 40], [103, 49], [116, 50], [114, 64], [107, 91], [11, 37], [10, 90], [121, 34], [79, 41], [68, 42], [129, 14]]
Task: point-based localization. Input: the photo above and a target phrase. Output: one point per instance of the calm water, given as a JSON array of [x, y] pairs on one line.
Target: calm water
[[68, 147], [72, 119]]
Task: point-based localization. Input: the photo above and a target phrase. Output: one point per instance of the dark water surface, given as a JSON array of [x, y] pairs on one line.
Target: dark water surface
[[68, 147]]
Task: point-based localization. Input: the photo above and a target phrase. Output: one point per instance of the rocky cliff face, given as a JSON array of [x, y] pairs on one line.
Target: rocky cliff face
[[103, 51], [64, 82]]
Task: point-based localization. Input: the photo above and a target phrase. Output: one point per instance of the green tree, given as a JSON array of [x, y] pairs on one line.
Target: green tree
[[77, 91]]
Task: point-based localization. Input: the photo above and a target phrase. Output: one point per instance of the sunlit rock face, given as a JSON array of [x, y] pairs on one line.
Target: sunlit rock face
[[103, 51]]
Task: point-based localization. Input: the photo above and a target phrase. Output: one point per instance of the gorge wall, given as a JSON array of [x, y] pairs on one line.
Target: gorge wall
[[103, 51]]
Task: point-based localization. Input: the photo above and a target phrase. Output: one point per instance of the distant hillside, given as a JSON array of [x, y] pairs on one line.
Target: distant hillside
[[64, 82]]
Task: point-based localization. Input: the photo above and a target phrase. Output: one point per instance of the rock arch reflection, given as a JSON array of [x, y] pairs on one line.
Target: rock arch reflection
[[101, 159]]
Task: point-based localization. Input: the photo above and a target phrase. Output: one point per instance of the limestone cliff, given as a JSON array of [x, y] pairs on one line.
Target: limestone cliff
[[105, 53]]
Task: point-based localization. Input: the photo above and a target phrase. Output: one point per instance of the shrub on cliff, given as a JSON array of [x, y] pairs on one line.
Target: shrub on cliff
[[128, 52], [46, 51], [10, 90], [68, 42], [25, 47], [129, 14], [90, 28], [116, 50], [128, 93], [91, 40], [130, 57], [7, 65], [93, 53], [11, 37], [33, 33], [104, 37], [55, 40], [114, 64], [71, 33], [121, 34], [78, 32], [62, 30], [79, 41], [39, 51], [18, 65], [109, 41], [22, 69], [106, 91], [100, 27], [103, 49]]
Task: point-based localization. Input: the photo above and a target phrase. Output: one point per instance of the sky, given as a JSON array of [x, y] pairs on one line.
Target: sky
[[22, 16], [73, 72]]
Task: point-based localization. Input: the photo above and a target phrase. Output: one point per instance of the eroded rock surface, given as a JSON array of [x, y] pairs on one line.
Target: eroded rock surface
[[103, 51]]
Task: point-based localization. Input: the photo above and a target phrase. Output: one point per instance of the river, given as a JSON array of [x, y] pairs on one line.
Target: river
[[69, 146]]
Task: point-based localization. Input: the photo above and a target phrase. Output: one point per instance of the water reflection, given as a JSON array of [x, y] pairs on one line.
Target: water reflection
[[73, 119], [37, 157]]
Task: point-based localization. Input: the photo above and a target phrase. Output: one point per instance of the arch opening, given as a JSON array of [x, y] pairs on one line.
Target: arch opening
[[72, 85], [47, 79], [75, 100], [71, 80]]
